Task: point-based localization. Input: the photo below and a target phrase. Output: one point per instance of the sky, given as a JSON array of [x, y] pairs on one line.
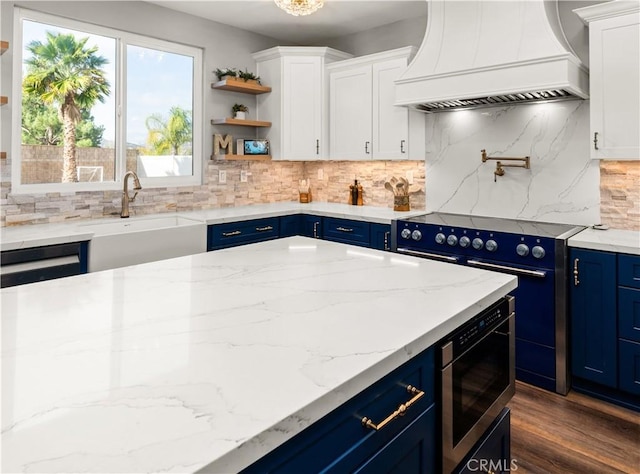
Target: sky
[[156, 81]]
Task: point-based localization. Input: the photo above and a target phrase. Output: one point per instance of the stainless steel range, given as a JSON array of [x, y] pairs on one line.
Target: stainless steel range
[[534, 251]]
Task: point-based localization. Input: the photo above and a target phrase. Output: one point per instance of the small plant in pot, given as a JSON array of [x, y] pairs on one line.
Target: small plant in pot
[[225, 72], [248, 76], [239, 111]]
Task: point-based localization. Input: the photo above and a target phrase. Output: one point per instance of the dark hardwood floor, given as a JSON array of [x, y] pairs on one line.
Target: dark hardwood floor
[[577, 434]]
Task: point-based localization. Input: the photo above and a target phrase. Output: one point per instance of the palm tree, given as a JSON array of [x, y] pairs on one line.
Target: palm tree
[[166, 137], [64, 72]]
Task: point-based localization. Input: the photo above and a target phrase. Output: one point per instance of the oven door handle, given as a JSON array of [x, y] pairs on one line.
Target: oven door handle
[[435, 256], [517, 271]]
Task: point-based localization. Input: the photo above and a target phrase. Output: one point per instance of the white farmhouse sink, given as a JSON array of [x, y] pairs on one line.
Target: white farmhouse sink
[[140, 240]]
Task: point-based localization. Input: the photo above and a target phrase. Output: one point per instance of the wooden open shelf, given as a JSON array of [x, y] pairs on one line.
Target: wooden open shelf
[[3, 100], [244, 123], [4, 45], [242, 157], [238, 85]]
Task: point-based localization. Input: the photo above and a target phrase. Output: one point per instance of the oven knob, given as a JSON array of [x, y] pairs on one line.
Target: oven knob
[[416, 235], [452, 240], [522, 250], [405, 234], [538, 252], [477, 243], [440, 238], [465, 241], [491, 245]]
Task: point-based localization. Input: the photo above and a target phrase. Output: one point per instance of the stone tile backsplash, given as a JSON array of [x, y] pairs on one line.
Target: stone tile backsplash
[[267, 182], [620, 194]]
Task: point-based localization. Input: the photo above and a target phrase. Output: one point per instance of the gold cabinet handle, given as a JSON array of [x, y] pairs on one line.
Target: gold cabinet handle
[[315, 230], [400, 411], [264, 229], [344, 229], [576, 273], [386, 240], [231, 234]]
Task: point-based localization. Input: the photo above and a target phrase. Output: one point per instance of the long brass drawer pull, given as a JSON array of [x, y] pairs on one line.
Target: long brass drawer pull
[[264, 229], [576, 272], [344, 229], [400, 411], [231, 234]]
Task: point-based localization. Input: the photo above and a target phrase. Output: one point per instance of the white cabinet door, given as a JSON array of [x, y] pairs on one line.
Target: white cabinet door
[[302, 108], [614, 58], [350, 106], [390, 123]]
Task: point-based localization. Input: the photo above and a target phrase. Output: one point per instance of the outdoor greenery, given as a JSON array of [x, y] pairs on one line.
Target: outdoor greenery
[[41, 125], [171, 136], [66, 74]]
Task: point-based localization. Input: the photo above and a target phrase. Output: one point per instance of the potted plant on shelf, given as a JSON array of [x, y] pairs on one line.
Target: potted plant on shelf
[[239, 111], [247, 76], [225, 72]]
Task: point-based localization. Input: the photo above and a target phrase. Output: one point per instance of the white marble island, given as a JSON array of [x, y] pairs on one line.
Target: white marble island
[[212, 360]]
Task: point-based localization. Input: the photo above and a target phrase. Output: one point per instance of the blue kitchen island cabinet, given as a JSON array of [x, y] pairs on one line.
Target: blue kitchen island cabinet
[[340, 442], [493, 451], [593, 317]]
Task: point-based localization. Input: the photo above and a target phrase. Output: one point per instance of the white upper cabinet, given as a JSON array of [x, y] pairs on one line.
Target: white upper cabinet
[[364, 123], [297, 104], [614, 57]]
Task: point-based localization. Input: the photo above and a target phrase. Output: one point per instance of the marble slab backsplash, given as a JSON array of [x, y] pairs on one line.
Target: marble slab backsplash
[[561, 186]]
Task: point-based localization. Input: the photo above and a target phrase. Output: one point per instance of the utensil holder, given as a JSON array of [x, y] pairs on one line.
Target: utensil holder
[[305, 197], [401, 203]]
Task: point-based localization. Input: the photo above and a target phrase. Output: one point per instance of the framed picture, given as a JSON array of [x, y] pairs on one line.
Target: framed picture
[[256, 147]]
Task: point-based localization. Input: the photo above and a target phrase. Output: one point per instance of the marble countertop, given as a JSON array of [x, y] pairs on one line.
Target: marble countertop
[[26, 236], [611, 240], [212, 360]]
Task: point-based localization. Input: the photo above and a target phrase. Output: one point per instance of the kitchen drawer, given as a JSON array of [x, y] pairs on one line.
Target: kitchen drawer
[[629, 270], [339, 442], [43, 263], [629, 314], [347, 231], [231, 234], [629, 366]]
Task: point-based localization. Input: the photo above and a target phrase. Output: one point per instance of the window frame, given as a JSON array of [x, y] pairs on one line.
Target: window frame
[[122, 40]]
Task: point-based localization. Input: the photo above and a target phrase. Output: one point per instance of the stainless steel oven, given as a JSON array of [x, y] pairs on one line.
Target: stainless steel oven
[[477, 378]]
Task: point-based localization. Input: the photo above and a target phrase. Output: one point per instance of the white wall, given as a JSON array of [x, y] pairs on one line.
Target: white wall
[[223, 45], [561, 186], [395, 35]]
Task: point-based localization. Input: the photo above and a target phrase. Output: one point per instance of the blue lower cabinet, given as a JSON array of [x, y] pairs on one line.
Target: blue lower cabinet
[[629, 366], [311, 226], [493, 452], [347, 231], [381, 236], [290, 225], [220, 236], [594, 317], [629, 313], [339, 442], [45, 263]]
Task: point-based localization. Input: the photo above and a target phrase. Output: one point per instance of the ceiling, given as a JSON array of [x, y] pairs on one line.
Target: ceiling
[[337, 17]]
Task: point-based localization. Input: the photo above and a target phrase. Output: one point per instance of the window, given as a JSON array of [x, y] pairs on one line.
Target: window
[[97, 102]]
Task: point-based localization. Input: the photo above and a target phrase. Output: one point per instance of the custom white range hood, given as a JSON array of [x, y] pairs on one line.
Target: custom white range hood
[[478, 53]]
